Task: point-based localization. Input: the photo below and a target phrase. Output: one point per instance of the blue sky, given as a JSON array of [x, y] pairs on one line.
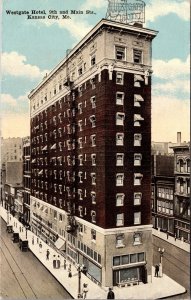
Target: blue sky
[[30, 48]]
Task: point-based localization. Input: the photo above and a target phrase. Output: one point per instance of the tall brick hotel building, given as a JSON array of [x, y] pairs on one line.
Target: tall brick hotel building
[[91, 154]]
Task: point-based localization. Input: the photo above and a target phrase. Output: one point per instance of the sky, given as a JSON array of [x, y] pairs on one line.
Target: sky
[[31, 48]]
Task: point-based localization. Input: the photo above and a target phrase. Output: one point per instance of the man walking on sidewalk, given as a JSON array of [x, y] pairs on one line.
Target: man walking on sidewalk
[[110, 294], [47, 254], [156, 270]]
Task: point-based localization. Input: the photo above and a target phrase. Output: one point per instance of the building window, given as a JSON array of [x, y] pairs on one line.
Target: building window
[[93, 60], [80, 174], [119, 159], [180, 166], [93, 140], [80, 90], [137, 139], [93, 215], [137, 120], [188, 165], [93, 234], [80, 142], [120, 98], [137, 238], [120, 220], [60, 188], [93, 196], [120, 199], [119, 139], [120, 117], [80, 208], [119, 78], [93, 176], [137, 80], [80, 194], [80, 71], [137, 178], [137, 159], [80, 125], [137, 56], [80, 228], [120, 53], [80, 157], [93, 101], [93, 121], [137, 100], [137, 198], [92, 81], [137, 218], [120, 240], [80, 108], [119, 179], [93, 157]]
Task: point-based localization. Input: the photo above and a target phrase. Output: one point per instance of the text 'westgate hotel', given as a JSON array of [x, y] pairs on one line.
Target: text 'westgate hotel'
[[91, 154]]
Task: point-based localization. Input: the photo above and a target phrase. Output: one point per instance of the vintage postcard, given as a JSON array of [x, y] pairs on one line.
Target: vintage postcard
[[95, 149]]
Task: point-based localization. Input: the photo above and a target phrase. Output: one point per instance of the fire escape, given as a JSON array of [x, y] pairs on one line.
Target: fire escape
[[71, 176]]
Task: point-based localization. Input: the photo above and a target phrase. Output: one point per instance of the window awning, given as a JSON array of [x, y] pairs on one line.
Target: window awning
[[41, 172], [138, 78], [138, 175], [45, 148], [53, 146], [60, 244], [138, 97], [34, 160], [138, 118]]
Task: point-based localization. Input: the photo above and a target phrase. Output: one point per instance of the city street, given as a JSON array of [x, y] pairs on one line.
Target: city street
[[26, 277]]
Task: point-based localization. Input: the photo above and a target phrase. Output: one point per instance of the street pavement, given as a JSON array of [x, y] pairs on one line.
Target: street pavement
[[158, 288], [23, 276]]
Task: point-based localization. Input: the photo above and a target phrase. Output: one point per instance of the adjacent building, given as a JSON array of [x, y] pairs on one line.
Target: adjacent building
[[162, 196], [90, 154], [11, 150], [26, 180], [182, 190]]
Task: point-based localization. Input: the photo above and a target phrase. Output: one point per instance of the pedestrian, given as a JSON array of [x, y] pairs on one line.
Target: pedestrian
[[85, 290], [69, 271], [65, 265], [110, 294], [47, 254], [84, 270], [37, 240], [156, 270], [33, 240], [58, 262], [54, 261], [40, 247]]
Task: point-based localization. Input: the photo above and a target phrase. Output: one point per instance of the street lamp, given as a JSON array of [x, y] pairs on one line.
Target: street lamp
[[79, 282], [161, 252]]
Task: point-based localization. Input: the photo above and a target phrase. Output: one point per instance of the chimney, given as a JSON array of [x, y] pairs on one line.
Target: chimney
[[179, 138]]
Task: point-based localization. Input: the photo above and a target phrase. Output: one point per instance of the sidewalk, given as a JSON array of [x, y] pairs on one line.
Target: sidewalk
[[159, 288], [178, 243]]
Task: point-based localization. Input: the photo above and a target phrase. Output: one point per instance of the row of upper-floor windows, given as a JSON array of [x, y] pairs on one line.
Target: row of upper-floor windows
[[183, 166], [165, 193], [183, 185], [120, 219], [121, 54], [71, 144], [36, 103], [165, 207]]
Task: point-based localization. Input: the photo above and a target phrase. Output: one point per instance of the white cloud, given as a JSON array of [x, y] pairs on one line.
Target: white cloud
[[158, 8], [10, 105], [8, 100], [172, 68], [169, 115], [13, 125], [172, 87], [15, 64]]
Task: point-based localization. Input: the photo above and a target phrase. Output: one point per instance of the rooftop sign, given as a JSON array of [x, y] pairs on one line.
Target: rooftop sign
[[126, 11]]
